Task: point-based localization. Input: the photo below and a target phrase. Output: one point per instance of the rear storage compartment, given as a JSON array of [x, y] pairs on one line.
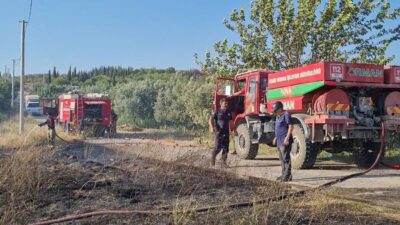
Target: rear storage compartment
[[93, 112], [392, 75]]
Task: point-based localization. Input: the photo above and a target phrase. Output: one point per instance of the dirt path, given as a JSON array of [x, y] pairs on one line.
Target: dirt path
[[381, 185]]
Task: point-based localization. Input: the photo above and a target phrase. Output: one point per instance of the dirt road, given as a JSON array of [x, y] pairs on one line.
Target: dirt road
[[380, 185], [264, 166]]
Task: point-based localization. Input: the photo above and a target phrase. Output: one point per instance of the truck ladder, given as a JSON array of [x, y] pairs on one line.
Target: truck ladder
[[79, 110]]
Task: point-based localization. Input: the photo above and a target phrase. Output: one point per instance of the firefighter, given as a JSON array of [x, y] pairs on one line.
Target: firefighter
[[51, 133], [283, 139], [81, 125], [113, 127], [219, 126]]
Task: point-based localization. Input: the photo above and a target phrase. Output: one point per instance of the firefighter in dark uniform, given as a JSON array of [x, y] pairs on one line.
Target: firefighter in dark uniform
[[81, 125], [283, 139], [219, 126], [51, 126], [113, 126]]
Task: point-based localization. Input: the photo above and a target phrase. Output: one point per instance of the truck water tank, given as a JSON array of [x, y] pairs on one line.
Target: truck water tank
[[392, 103], [333, 100]]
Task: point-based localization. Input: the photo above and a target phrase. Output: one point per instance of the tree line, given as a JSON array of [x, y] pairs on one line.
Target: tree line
[[283, 34]]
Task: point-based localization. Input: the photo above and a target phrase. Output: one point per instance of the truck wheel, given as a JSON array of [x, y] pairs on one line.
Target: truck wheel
[[304, 153], [98, 130], [244, 148], [95, 130], [365, 154]]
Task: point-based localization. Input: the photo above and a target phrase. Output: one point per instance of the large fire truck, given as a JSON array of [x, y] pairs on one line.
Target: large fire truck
[[335, 107], [77, 112]]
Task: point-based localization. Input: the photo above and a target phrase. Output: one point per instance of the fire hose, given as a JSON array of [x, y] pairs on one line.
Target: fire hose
[[234, 205], [62, 139]]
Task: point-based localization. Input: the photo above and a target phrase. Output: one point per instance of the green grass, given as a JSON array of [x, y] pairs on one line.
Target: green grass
[[266, 150], [392, 156]]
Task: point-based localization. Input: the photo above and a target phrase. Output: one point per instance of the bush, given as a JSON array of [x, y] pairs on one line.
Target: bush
[[52, 90], [134, 103], [5, 98], [173, 100], [98, 84], [61, 81]]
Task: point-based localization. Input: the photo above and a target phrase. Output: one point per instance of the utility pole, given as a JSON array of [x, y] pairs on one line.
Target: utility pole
[[6, 72], [21, 85]]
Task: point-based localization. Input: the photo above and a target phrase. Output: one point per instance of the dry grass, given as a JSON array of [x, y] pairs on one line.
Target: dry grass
[[24, 169], [23, 175], [33, 135], [314, 208], [10, 138]]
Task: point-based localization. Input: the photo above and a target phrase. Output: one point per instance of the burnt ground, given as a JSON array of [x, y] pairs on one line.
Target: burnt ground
[[82, 178]]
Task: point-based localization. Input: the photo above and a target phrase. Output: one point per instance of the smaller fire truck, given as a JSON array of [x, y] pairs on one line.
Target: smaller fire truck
[[77, 112]]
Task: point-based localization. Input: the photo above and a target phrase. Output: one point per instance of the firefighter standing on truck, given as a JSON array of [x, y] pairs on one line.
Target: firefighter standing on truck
[[283, 140], [219, 126], [51, 133]]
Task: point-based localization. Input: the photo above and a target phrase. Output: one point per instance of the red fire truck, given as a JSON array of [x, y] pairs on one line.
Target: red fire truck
[[81, 111], [335, 106]]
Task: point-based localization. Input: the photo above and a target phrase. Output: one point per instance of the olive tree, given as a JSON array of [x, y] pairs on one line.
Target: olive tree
[[282, 34]]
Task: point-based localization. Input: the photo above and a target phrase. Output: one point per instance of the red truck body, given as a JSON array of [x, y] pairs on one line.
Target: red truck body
[[89, 109], [293, 86], [392, 75], [334, 105], [327, 71]]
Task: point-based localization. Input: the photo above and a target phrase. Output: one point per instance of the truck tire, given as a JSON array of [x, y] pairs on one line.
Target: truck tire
[[304, 153], [244, 148], [99, 130], [365, 154]]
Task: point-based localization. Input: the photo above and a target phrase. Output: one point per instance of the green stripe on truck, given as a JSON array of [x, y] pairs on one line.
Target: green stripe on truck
[[293, 91]]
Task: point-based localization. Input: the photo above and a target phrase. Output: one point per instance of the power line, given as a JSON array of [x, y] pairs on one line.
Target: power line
[[30, 11]]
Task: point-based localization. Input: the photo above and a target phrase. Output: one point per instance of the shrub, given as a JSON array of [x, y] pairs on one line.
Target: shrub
[[5, 98], [174, 100]]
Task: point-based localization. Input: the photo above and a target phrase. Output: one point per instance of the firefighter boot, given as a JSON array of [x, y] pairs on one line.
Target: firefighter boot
[[223, 159], [212, 161]]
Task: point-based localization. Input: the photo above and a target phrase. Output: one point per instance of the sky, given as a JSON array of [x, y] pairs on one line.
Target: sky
[[136, 33]]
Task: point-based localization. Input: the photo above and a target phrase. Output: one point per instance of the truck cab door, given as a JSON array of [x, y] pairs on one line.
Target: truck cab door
[[252, 100], [224, 88]]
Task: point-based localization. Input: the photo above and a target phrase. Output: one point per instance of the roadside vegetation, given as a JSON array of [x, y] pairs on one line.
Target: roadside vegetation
[[10, 138], [5, 97]]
